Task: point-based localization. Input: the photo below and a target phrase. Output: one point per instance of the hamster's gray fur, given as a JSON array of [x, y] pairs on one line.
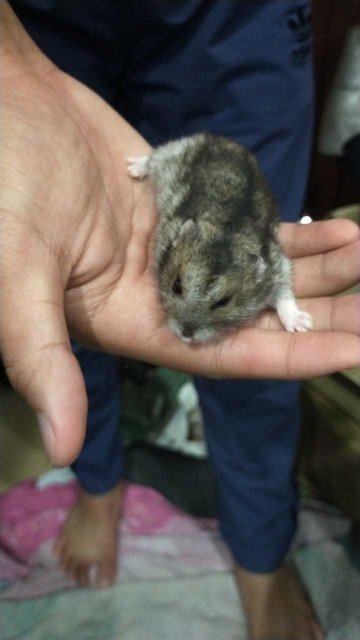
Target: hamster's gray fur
[[218, 260]]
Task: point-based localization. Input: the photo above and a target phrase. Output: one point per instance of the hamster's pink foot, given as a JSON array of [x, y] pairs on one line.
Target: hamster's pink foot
[[291, 317], [138, 167]]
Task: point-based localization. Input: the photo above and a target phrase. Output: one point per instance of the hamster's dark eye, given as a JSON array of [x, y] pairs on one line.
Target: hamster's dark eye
[[177, 286], [223, 302]]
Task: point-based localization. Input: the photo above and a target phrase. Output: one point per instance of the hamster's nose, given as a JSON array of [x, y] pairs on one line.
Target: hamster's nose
[[187, 330]]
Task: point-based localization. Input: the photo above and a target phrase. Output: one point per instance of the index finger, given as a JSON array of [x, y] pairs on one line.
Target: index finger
[[287, 356], [299, 240]]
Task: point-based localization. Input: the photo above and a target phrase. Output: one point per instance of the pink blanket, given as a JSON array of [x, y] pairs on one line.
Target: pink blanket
[[157, 540]]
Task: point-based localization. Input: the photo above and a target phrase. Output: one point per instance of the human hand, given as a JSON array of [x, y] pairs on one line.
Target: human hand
[[75, 247]]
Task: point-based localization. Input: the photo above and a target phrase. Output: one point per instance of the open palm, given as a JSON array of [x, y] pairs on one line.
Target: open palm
[[75, 246]]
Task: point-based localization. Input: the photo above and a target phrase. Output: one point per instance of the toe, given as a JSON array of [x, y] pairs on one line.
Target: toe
[[69, 567], [58, 546], [82, 575], [106, 574]]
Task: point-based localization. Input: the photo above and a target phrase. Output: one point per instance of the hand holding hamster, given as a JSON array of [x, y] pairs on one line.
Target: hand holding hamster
[[75, 257], [218, 260]]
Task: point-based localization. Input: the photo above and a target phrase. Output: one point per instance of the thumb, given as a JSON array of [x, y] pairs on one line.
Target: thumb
[[35, 348]]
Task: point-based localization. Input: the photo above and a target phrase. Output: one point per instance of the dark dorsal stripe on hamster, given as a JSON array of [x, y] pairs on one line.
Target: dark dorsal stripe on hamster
[[218, 257], [226, 179]]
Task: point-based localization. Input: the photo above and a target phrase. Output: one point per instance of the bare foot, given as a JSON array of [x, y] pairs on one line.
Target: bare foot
[[276, 606], [87, 546]]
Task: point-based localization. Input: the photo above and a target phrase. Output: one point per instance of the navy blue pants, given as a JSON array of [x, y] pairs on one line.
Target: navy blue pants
[[241, 69]]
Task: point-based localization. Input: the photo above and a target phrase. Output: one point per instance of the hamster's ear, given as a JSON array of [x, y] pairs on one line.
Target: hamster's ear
[[249, 251], [257, 262], [188, 228]]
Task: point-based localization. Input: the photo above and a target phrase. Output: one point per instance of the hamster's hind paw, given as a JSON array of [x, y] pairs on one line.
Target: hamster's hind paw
[[138, 167], [292, 318], [302, 321]]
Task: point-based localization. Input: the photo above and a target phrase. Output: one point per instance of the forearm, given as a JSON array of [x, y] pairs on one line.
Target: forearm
[[18, 53]]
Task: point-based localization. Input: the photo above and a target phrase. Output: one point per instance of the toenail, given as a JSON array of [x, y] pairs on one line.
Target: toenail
[[104, 584]]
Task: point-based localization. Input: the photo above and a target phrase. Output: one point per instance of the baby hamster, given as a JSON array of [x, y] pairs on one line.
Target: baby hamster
[[218, 261]]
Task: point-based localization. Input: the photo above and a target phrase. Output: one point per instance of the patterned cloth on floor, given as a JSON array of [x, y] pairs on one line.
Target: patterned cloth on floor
[[156, 539], [175, 576]]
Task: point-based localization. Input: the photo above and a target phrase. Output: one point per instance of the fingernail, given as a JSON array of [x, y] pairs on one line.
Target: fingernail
[[47, 433]]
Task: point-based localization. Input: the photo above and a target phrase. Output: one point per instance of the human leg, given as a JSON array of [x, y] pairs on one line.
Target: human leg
[[252, 444], [87, 546], [88, 543]]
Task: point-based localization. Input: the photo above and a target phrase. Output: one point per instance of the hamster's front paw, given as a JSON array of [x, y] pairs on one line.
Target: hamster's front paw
[[292, 318], [138, 167]]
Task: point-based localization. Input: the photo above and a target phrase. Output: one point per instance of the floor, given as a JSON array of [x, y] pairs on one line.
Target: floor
[[197, 604]]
